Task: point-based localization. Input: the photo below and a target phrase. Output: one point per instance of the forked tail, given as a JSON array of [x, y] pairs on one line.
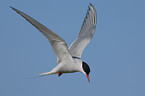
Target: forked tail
[[42, 75]]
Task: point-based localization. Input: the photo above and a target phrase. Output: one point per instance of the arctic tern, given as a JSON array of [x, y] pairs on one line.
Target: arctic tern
[[68, 59]]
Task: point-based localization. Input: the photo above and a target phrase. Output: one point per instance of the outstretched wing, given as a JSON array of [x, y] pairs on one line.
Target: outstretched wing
[[86, 33], [58, 44]]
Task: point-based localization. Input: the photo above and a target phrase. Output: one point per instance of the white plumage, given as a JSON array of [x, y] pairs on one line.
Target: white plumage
[[68, 59]]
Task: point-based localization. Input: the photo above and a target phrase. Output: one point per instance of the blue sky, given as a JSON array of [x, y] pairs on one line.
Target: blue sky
[[116, 53]]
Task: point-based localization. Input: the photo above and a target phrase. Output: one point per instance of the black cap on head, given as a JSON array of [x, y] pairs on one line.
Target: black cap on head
[[86, 68]]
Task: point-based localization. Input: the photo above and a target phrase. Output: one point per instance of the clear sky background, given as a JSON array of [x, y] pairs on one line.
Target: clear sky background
[[116, 53]]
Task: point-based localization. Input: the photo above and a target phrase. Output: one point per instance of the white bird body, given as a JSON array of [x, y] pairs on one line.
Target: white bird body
[[68, 59], [66, 67]]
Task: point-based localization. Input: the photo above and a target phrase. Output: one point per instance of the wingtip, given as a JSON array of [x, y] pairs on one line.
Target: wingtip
[[90, 4], [12, 7], [18, 11], [92, 7]]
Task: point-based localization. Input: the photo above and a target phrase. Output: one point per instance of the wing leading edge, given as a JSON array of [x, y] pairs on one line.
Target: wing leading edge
[[58, 44]]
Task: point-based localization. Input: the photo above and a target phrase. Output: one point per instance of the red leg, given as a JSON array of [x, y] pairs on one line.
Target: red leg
[[59, 74]]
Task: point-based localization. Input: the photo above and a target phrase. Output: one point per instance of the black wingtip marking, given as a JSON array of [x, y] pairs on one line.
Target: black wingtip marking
[[12, 8], [90, 4]]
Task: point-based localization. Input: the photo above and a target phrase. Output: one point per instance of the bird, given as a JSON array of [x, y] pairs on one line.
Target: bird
[[68, 58]]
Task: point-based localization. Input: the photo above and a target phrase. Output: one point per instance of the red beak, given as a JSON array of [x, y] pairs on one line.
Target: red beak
[[88, 78]]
